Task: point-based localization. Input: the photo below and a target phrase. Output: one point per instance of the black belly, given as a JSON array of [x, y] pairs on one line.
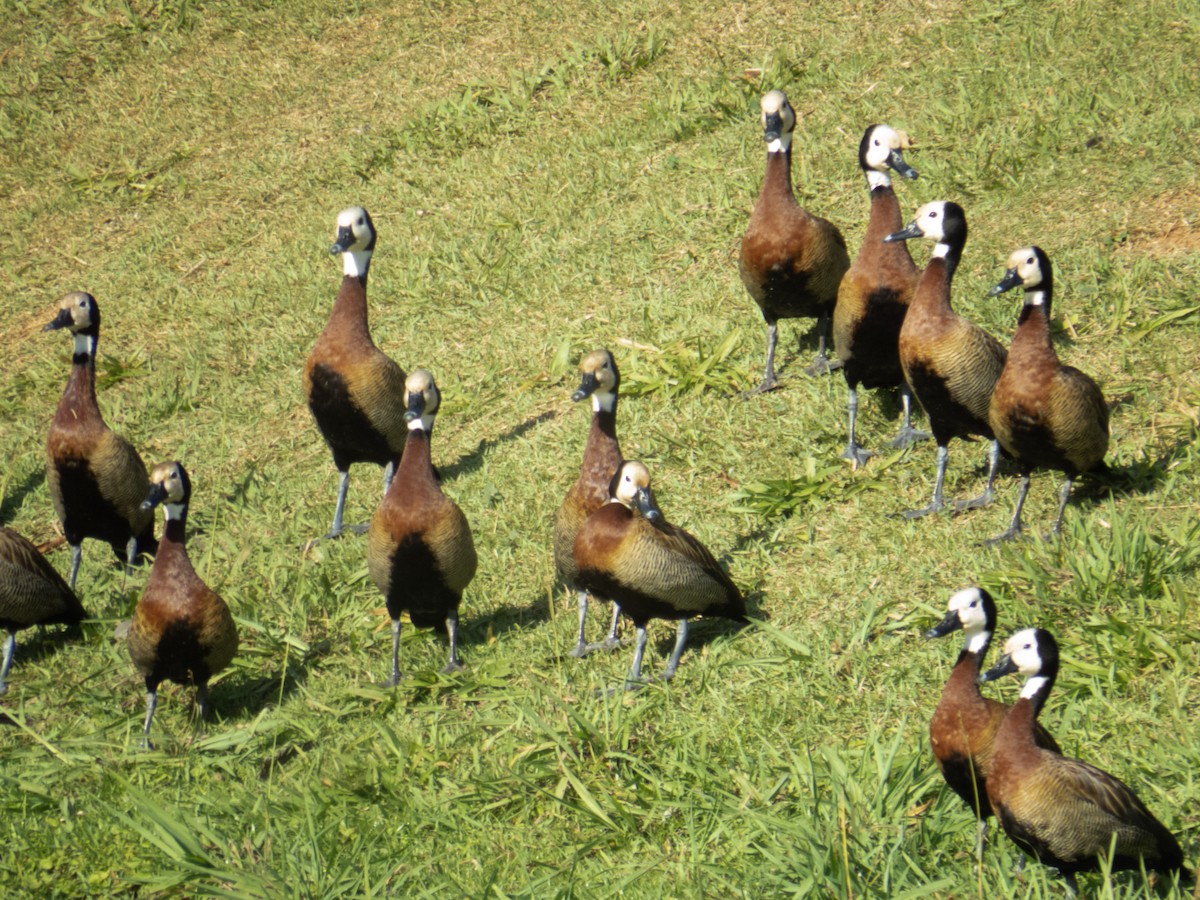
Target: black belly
[[416, 586], [875, 344], [179, 657], [86, 514], [948, 418], [345, 427]]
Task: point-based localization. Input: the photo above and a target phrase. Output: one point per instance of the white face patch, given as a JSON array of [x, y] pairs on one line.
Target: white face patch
[[85, 344]]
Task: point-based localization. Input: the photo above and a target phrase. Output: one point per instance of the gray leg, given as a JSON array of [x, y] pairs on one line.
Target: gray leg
[[1014, 527], [76, 559], [10, 647], [151, 704], [680, 641], [943, 454], [581, 648], [853, 452], [768, 382], [395, 678], [989, 494], [340, 508], [635, 673], [202, 701], [452, 634], [907, 435], [132, 552], [822, 365], [1062, 504], [611, 641], [389, 472]]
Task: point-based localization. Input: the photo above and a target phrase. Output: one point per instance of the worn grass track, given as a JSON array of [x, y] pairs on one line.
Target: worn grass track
[[547, 179]]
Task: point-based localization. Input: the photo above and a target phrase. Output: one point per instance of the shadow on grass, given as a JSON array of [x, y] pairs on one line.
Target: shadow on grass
[[471, 461], [15, 499]]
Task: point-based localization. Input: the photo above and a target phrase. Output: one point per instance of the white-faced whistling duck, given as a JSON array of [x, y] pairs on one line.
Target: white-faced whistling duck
[[31, 593], [628, 553], [951, 364], [875, 292], [420, 552], [791, 261], [963, 729], [1045, 415], [355, 391], [97, 480], [181, 630], [1062, 811], [601, 457]]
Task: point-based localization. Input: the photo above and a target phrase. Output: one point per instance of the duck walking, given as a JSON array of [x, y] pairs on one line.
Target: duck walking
[[876, 291], [791, 261], [1045, 415], [182, 631], [628, 553], [601, 457], [355, 391], [420, 552], [97, 480], [1062, 811], [950, 364]]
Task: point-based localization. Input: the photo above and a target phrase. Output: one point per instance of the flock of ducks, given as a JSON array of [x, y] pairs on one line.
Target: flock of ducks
[[891, 325]]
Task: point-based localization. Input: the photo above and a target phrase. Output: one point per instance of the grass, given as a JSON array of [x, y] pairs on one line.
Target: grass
[[547, 179]]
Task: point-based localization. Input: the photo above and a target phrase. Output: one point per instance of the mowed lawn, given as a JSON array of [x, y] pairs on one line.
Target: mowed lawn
[[546, 179]]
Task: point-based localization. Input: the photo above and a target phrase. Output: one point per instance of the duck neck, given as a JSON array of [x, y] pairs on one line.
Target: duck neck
[[81, 387], [885, 219], [172, 542], [1033, 331], [416, 462], [777, 183], [349, 312]]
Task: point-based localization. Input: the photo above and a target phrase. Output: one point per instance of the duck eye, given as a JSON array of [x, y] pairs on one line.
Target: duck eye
[[1029, 262]]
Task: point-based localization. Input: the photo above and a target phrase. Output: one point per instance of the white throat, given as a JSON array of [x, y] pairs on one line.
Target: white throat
[[421, 423], [878, 179], [940, 250], [603, 401], [1035, 298], [977, 643], [779, 144], [355, 262], [1032, 686], [85, 343], [174, 510]]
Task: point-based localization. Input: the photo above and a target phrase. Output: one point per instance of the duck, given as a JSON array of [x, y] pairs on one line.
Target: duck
[[601, 457], [181, 631], [951, 364], [31, 593], [1044, 414], [1064, 812], [420, 552], [355, 391], [962, 731], [97, 479], [628, 553], [791, 261], [876, 290]]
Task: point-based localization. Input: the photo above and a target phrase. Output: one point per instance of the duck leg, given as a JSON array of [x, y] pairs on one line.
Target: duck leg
[[635, 673], [452, 636], [340, 508], [907, 435], [989, 494], [76, 559], [680, 641], [389, 472], [611, 641], [769, 381], [10, 647], [581, 648], [943, 454], [856, 454], [1062, 505], [394, 679], [151, 705], [823, 365], [1014, 527]]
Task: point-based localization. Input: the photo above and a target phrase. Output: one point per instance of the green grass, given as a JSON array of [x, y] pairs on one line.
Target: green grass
[[547, 179]]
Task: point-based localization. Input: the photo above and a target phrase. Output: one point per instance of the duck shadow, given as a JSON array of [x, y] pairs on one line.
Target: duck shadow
[[469, 462], [244, 694], [15, 499], [46, 642]]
